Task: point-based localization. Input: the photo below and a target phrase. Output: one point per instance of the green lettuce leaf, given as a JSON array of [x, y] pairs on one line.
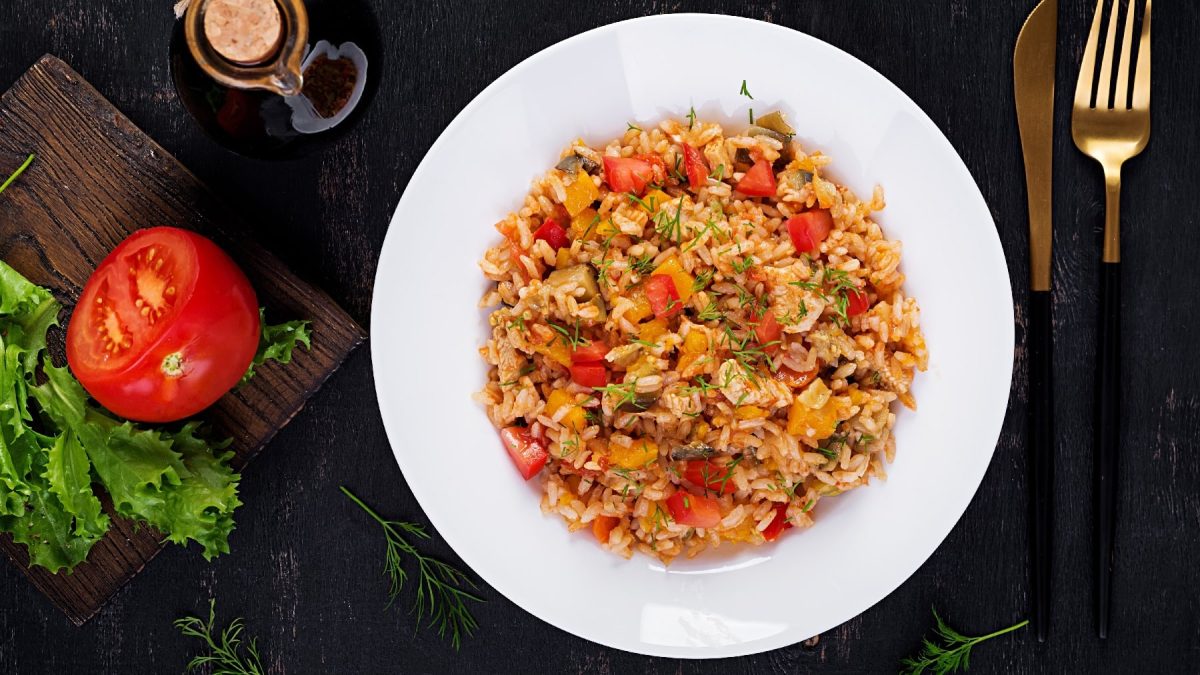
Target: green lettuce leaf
[[277, 342], [69, 475]]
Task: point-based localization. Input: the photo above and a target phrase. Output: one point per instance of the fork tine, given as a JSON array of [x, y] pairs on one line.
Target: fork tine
[[1141, 79], [1121, 99], [1110, 48], [1087, 69]]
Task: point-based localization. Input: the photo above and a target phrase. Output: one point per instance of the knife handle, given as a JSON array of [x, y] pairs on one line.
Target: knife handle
[[1107, 430], [1040, 342]]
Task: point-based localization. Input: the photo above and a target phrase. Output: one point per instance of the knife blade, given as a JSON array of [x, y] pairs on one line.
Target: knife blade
[[1033, 87]]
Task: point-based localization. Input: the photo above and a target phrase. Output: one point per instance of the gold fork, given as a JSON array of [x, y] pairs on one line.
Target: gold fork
[[1111, 132]]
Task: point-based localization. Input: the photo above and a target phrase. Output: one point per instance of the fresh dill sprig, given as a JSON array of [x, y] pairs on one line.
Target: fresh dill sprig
[[572, 338], [441, 589], [623, 393], [710, 312], [703, 387], [691, 117], [225, 654], [740, 266], [669, 225], [630, 126], [719, 172], [521, 373], [702, 280], [953, 653], [643, 265], [20, 170], [744, 91]]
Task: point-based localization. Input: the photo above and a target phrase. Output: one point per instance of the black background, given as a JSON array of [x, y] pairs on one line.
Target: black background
[[304, 571]]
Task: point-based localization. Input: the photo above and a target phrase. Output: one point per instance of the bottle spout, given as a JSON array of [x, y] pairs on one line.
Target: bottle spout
[[287, 82]]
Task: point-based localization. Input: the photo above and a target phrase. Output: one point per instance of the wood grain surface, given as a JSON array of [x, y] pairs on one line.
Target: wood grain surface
[[305, 567], [98, 178]]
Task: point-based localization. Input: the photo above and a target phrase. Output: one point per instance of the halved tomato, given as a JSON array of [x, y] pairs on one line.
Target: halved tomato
[[759, 181], [164, 327], [526, 450], [694, 510]]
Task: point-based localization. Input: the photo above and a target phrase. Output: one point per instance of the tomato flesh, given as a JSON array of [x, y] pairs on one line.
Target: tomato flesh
[[628, 174], [552, 233], [694, 510], [590, 375], [663, 296], [778, 524], [856, 303], [759, 181], [768, 332], [590, 351], [794, 378], [164, 327], [709, 475], [809, 229], [695, 166], [528, 452]]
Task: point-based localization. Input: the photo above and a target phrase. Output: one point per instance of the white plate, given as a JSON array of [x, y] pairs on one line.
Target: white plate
[[426, 330]]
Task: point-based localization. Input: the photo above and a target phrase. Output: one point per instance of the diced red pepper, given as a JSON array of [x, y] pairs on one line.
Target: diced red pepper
[[778, 524], [590, 375], [759, 181], [628, 174], [663, 296], [709, 475], [768, 332], [590, 351], [694, 510], [809, 229], [603, 526], [528, 452], [695, 166], [857, 303], [552, 233]]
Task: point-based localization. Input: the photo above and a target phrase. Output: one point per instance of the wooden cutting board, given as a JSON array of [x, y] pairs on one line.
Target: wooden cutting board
[[97, 178]]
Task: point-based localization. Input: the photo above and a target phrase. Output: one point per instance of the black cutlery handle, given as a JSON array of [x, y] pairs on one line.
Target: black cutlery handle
[[1107, 429], [1040, 343]]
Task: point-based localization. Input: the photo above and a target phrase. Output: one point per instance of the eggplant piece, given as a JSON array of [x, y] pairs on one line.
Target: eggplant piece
[[756, 130], [639, 403], [574, 163], [774, 121], [742, 158], [693, 451], [582, 276]]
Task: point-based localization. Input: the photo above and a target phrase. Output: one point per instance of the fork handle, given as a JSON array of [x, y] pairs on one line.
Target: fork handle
[[1107, 440]]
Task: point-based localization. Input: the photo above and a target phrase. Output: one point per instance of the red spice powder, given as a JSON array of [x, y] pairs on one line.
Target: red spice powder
[[328, 84]]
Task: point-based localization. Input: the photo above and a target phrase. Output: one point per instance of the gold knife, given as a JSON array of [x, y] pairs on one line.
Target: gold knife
[[1033, 86]]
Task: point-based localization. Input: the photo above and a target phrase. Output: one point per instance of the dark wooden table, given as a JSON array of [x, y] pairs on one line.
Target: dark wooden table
[[304, 571]]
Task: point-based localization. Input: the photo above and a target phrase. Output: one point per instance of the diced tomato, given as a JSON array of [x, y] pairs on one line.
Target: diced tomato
[[590, 375], [603, 526], [759, 181], [857, 303], [527, 451], [709, 475], [809, 229], [552, 233], [794, 378], [694, 510], [768, 332], [658, 167], [695, 166], [778, 524], [628, 174], [590, 351], [663, 296]]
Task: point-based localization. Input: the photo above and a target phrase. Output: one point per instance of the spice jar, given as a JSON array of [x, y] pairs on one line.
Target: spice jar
[[275, 78]]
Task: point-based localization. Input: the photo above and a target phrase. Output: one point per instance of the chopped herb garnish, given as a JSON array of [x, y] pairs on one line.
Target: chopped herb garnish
[[711, 312], [808, 506], [630, 126], [752, 116], [744, 264], [691, 117], [719, 172], [522, 373], [744, 91], [643, 265], [572, 338], [702, 280]]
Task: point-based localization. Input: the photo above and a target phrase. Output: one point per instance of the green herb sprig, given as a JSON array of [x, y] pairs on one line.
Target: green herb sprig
[[441, 589], [20, 170], [225, 651], [953, 652]]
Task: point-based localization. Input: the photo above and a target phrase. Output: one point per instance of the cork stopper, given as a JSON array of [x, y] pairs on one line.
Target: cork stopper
[[243, 31]]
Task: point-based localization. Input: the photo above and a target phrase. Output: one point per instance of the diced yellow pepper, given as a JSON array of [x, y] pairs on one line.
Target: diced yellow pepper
[[556, 350], [700, 431], [822, 421], [655, 200], [695, 345], [651, 331], [575, 418], [816, 396], [581, 193], [641, 306], [606, 229], [749, 412], [563, 258], [584, 224], [683, 281], [744, 531], [640, 453]]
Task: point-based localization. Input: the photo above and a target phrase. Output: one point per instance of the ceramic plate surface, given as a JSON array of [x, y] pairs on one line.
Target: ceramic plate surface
[[426, 330]]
